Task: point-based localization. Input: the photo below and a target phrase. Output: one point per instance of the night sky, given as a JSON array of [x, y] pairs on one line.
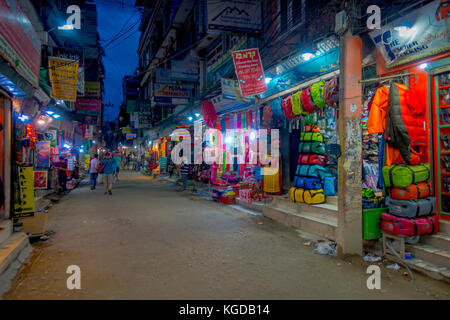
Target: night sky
[[121, 57]]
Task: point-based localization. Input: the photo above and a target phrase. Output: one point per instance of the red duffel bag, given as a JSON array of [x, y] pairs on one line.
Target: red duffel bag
[[409, 227], [413, 191], [318, 159]]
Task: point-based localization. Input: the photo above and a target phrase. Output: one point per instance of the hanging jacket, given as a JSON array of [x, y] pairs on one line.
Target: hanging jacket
[[399, 113]]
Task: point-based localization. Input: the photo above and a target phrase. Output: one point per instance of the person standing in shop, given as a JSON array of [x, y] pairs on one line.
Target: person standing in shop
[[109, 168], [93, 171]]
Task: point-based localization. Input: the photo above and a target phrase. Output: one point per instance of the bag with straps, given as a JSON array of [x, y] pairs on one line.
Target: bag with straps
[[311, 136], [307, 102], [312, 147], [311, 128], [318, 159], [287, 108], [296, 101], [310, 171], [317, 94], [413, 191], [299, 182], [313, 184], [329, 185], [414, 208], [409, 227], [314, 196], [297, 194], [331, 92], [402, 175]]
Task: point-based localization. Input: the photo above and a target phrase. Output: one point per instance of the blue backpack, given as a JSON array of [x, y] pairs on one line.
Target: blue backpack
[[329, 185]]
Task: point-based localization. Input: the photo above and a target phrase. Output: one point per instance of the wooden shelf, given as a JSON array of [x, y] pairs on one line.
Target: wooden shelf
[[444, 87]]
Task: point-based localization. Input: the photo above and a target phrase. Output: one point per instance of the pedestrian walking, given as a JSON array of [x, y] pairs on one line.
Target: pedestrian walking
[[93, 171], [116, 174], [184, 173], [109, 168]]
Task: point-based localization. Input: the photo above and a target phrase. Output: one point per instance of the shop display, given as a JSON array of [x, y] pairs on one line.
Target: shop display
[[399, 175], [413, 191], [409, 227], [413, 208]]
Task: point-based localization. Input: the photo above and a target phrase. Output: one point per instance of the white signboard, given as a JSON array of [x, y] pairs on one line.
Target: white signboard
[[421, 33], [234, 15]]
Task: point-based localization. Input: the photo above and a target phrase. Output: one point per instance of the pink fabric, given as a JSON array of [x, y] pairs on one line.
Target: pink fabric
[[209, 113]]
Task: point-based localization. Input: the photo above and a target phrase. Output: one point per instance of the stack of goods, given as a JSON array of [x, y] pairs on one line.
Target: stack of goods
[[218, 188], [411, 205], [310, 175], [313, 98], [370, 200], [228, 197]]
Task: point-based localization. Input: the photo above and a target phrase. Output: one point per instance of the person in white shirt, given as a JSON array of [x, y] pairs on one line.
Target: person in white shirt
[[93, 170]]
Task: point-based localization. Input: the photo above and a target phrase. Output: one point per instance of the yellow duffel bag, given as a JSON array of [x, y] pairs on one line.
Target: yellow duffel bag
[[297, 194], [314, 196]]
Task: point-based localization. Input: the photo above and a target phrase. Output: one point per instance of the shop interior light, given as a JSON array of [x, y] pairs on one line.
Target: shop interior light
[[197, 114], [66, 27], [423, 65], [268, 79], [23, 117], [228, 139], [252, 136], [41, 122], [93, 141], [56, 116], [67, 146], [50, 112], [190, 118]]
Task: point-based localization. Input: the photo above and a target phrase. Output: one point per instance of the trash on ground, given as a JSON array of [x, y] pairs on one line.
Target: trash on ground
[[326, 248], [371, 258], [393, 266], [307, 244], [408, 256]]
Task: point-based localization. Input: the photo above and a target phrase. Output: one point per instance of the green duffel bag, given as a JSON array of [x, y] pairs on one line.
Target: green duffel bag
[[312, 147], [402, 175], [311, 137]]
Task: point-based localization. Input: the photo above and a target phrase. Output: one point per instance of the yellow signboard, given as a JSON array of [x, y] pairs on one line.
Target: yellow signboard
[[63, 77], [24, 196], [92, 89]]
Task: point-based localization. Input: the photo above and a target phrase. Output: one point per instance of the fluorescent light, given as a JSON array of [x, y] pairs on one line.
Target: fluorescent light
[[423, 65], [66, 27], [190, 118], [49, 112], [267, 80], [307, 56], [228, 139], [41, 122], [93, 141], [56, 116], [197, 115]]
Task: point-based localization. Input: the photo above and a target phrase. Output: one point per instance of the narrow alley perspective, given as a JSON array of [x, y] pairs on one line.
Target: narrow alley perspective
[[148, 241]]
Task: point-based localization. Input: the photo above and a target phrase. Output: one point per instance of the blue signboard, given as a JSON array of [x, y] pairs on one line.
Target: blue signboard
[[297, 69]]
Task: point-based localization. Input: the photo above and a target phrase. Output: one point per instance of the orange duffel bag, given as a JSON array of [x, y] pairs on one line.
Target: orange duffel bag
[[413, 191]]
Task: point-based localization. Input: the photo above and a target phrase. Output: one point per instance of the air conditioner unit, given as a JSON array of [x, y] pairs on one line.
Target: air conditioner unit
[[341, 22]]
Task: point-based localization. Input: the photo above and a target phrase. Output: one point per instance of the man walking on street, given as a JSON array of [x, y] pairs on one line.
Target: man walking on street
[[93, 171], [116, 173], [109, 168]]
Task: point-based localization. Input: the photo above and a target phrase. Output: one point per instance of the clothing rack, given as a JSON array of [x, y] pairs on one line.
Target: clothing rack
[[393, 76]]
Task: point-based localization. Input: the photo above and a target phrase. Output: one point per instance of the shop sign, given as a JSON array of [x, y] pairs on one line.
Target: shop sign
[[232, 91], [24, 201], [88, 104], [296, 69], [43, 154], [171, 90], [126, 129], [88, 131], [64, 78], [163, 75], [249, 72], [145, 119], [130, 136], [184, 70], [92, 89], [421, 33], [244, 15], [19, 43]]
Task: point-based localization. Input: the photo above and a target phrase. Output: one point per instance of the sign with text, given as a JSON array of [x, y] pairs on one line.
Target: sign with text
[[19, 43], [92, 89], [63, 77], [421, 33], [243, 15], [88, 104], [171, 91], [249, 71], [231, 90]]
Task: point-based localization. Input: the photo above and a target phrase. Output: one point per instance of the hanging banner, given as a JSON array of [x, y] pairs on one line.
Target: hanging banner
[[249, 71], [89, 104], [19, 43], [43, 154], [421, 33], [24, 195], [64, 78]]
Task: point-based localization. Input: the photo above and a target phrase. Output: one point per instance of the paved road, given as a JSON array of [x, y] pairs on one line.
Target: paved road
[[148, 241]]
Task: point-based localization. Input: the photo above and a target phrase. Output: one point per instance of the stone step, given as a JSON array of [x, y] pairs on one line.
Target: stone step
[[431, 270], [430, 254], [322, 211], [325, 228], [444, 227], [439, 240]]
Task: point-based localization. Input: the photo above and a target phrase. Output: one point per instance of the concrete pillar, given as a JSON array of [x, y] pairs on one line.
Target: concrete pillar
[[349, 233]]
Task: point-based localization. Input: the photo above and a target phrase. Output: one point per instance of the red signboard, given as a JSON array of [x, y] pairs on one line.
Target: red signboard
[[249, 71], [88, 104], [19, 43]]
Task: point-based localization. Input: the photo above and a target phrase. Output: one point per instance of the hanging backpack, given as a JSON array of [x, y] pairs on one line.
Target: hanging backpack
[[318, 159], [297, 108], [314, 196], [329, 185], [287, 108], [317, 94], [311, 136], [307, 102], [331, 92], [312, 147], [310, 171]]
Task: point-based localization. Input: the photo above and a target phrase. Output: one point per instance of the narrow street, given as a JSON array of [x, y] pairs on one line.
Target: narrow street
[[148, 241]]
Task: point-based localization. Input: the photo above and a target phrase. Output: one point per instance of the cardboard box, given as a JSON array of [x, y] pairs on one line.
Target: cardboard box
[[36, 224]]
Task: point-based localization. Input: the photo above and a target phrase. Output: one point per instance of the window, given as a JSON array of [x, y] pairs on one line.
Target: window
[[292, 14]]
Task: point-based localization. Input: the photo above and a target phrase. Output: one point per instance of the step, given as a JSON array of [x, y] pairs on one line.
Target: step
[[13, 252], [444, 227], [438, 240], [431, 270], [322, 211], [430, 254], [325, 228]]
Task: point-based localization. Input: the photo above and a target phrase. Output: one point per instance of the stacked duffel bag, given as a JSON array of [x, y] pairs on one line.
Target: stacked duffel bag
[[310, 173], [411, 205]]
